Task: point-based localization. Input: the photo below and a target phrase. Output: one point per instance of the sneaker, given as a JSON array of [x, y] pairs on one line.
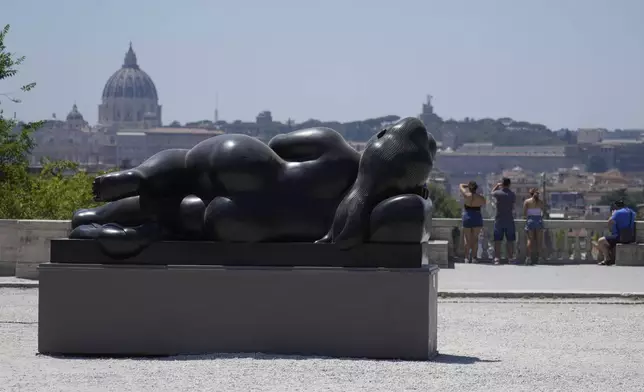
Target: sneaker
[[466, 260], [497, 261]]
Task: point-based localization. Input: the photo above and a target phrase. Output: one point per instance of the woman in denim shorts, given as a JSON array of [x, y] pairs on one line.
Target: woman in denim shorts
[[533, 213]]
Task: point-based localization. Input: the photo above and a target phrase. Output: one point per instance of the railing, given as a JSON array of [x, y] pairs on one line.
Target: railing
[[564, 241]]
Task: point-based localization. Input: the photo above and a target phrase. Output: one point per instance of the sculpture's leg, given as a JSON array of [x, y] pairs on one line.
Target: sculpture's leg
[[339, 221], [126, 212], [190, 220], [226, 221], [355, 226], [405, 218], [162, 173], [117, 185], [117, 241]]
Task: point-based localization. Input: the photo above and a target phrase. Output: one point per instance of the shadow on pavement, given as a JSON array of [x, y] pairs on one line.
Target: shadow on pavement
[[460, 359], [440, 358]]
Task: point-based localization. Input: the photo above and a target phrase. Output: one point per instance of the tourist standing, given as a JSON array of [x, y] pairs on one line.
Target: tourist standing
[[533, 214], [622, 228], [472, 219], [504, 219]]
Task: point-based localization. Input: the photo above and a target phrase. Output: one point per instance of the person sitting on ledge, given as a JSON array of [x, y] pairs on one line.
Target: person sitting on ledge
[[622, 226]]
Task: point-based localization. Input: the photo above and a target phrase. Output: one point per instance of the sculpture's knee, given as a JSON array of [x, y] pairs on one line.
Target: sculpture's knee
[[191, 215], [404, 218]]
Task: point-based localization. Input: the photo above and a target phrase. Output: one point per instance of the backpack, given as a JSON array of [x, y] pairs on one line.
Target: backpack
[[627, 234]]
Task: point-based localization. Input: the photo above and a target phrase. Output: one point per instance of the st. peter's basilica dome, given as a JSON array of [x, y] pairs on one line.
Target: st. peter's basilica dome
[[130, 81], [129, 95]]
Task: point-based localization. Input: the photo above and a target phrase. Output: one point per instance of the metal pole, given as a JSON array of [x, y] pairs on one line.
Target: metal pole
[[545, 198]]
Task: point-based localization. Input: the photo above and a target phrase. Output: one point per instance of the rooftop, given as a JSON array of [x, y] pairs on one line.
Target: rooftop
[[192, 131]]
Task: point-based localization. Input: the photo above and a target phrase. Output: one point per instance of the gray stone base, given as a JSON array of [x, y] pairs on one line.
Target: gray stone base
[[629, 255], [337, 312]]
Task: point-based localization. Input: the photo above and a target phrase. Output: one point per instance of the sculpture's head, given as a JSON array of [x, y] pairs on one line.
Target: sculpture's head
[[403, 153]]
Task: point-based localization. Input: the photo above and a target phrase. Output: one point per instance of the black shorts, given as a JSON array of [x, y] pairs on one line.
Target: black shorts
[[613, 240]]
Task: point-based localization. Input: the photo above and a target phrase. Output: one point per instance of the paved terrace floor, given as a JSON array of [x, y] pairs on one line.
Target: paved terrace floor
[[542, 278], [485, 345]]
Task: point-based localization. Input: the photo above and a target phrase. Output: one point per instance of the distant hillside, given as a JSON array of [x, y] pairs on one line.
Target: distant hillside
[[502, 131]]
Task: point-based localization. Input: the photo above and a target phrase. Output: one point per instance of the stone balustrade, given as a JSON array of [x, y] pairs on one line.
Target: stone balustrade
[[25, 243], [565, 241]]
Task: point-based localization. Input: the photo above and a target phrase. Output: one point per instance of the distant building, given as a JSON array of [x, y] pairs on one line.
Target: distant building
[[589, 136], [431, 120], [133, 146], [487, 158]]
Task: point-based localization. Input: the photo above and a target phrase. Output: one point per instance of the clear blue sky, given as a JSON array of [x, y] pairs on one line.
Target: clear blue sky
[[564, 63]]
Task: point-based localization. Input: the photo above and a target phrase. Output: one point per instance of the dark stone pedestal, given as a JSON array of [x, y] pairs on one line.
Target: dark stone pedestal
[[300, 254], [375, 313]]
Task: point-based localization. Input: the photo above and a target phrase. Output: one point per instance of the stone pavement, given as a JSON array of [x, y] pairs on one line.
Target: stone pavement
[[542, 280], [485, 345]]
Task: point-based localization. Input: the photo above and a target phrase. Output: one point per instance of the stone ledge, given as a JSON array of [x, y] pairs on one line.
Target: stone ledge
[[629, 255]]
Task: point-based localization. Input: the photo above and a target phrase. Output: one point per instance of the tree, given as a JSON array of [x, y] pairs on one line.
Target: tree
[[597, 164], [15, 144], [445, 206], [58, 190], [631, 199]]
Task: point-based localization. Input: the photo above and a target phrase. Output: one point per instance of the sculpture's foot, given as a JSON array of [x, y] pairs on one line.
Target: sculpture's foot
[[324, 240], [118, 241], [117, 185]]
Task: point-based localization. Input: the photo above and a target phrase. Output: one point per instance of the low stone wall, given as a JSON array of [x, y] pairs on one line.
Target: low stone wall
[[25, 243]]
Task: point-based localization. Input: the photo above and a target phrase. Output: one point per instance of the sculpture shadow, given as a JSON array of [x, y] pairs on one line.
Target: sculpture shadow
[[440, 358], [461, 359]]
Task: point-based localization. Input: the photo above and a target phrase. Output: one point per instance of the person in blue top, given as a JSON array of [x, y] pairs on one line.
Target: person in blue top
[[622, 231]]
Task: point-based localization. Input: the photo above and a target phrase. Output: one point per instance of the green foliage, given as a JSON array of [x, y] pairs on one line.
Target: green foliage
[[54, 193], [631, 199], [445, 206], [560, 238]]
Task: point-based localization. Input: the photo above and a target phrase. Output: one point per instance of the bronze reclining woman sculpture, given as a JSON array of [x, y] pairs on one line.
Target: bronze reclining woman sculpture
[[303, 186]]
